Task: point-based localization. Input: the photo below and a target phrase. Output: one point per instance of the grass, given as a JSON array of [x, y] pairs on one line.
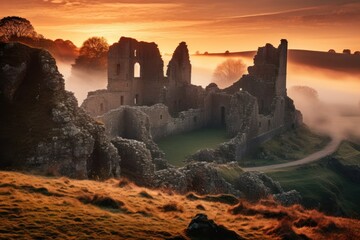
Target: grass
[[229, 172], [289, 146], [178, 147], [82, 209], [324, 187], [348, 153]]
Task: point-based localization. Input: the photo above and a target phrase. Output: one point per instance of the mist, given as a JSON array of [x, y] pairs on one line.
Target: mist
[[335, 111], [339, 121], [81, 83]]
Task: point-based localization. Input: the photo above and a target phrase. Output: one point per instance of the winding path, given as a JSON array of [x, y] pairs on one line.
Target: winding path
[[329, 149]]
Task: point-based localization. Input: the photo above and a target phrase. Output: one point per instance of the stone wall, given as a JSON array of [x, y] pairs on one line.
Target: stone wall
[[217, 107], [155, 119]]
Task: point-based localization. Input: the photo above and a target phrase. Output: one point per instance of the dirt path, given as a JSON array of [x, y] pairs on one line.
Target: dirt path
[[329, 149]]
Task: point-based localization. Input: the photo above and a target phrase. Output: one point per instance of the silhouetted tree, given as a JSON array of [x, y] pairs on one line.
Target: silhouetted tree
[[305, 91], [332, 51], [347, 51], [93, 54], [228, 72], [16, 27]]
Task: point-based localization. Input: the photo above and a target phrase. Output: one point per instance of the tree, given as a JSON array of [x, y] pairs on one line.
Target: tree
[[228, 72], [305, 91], [346, 51], [16, 27], [93, 54]]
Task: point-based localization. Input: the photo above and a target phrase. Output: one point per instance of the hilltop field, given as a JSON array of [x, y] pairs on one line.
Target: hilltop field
[[34, 207]]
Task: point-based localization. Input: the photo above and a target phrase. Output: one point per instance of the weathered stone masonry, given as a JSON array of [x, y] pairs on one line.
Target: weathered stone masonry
[[256, 106]]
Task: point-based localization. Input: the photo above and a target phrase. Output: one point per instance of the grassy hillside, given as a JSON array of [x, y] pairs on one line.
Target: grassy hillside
[[289, 146], [34, 207], [178, 147], [323, 185]]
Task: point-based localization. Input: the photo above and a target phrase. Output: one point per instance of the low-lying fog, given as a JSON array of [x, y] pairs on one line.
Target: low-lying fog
[[335, 110]]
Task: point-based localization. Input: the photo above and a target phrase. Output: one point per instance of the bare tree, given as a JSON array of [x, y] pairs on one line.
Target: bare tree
[[93, 54], [228, 72], [16, 27]]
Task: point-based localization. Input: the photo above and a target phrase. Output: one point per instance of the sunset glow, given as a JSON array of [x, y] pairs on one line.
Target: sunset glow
[[205, 25]]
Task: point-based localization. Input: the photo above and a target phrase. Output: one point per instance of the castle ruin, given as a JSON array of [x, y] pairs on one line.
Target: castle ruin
[[256, 106]]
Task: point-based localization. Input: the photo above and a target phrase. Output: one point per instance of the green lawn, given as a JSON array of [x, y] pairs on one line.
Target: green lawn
[[291, 145], [178, 147], [323, 186]]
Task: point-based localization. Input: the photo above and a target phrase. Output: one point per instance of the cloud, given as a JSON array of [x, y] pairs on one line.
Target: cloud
[[235, 23]]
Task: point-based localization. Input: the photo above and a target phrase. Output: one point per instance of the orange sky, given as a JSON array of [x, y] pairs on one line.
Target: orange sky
[[206, 25]]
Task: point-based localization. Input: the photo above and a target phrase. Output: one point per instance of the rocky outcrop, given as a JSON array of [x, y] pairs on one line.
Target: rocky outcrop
[[288, 198], [202, 178], [223, 153], [256, 185], [132, 123], [42, 128], [136, 162], [201, 227]]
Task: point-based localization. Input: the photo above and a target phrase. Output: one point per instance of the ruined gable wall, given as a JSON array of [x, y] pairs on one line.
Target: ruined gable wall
[[179, 68], [122, 59]]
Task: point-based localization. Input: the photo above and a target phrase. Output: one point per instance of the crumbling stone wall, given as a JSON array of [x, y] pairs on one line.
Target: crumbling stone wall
[[255, 106], [152, 122]]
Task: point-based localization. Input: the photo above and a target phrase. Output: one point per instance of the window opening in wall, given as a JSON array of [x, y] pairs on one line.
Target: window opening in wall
[[136, 99], [195, 119], [122, 100], [117, 69], [135, 53], [259, 124], [137, 70], [101, 107], [160, 116], [269, 124]]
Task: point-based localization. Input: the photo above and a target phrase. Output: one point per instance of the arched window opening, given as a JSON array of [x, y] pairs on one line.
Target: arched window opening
[[135, 53], [137, 70], [122, 100]]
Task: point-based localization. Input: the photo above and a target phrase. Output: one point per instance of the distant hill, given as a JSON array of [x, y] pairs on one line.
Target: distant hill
[[348, 63], [63, 50]]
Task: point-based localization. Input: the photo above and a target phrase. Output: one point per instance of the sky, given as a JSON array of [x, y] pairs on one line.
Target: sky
[[206, 25]]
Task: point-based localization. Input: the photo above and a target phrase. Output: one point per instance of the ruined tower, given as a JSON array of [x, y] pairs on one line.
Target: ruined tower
[[179, 68], [281, 77], [135, 69]]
